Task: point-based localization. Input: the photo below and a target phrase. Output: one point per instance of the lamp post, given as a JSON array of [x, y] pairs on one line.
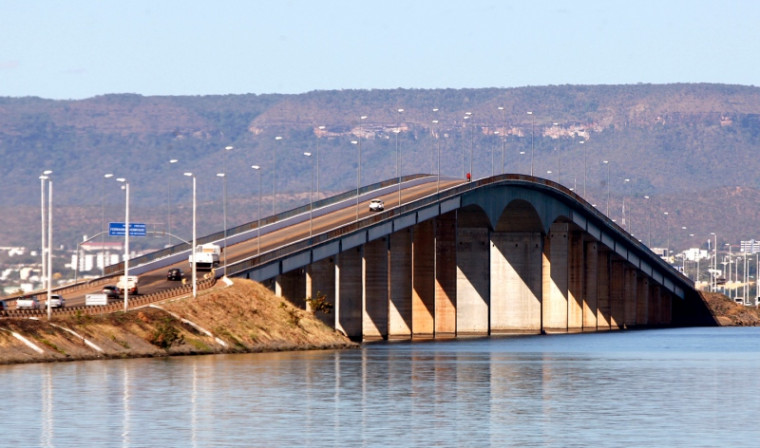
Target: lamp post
[[667, 230], [168, 201], [625, 190], [274, 178], [126, 241], [438, 147], [223, 175], [399, 163], [50, 247], [358, 173], [607, 162], [532, 137], [503, 138], [43, 247], [311, 198], [321, 128], [649, 221], [102, 225], [472, 140], [194, 267], [258, 214], [582, 142], [713, 285]]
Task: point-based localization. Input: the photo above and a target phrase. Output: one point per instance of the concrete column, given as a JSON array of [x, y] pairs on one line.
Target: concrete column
[[576, 277], [423, 279], [591, 285], [617, 287], [654, 304], [446, 275], [292, 286], [555, 279], [320, 281], [349, 293], [642, 300], [603, 313], [473, 285], [666, 307], [629, 297], [516, 262], [400, 283], [375, 316]]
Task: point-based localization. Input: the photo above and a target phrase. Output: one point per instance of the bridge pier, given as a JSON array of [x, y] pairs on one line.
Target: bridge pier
[[603, 314], [575, 284], [375, 297], [555, 279], [473, 281], [423, 279], [292, 286], [617, 297], [320, 280], [590, 285], [349, 292], [516, 261], [400, 285], [629, 297], [642, 300], [446, 275]]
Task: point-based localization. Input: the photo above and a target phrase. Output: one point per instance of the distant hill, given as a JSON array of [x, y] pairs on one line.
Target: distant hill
[[692, 148]]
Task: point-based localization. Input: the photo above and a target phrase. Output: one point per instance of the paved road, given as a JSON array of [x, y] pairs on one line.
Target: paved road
[[155, 280]]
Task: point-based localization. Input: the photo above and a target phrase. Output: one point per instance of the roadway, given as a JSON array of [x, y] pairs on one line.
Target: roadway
[[155, 280]]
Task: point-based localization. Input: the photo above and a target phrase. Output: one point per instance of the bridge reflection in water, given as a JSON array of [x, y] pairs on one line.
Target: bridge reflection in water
[[509, 254]]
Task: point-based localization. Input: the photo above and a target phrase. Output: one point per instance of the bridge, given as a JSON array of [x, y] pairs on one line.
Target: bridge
[[506, 254]]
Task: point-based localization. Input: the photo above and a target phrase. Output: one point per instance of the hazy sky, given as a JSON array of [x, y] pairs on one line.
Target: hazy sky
[[82, 48]]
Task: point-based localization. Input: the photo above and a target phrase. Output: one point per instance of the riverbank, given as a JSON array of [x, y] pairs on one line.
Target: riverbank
[[729, 313], [243, 317]]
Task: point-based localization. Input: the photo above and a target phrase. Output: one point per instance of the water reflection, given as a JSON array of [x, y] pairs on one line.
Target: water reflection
[[669, 388]]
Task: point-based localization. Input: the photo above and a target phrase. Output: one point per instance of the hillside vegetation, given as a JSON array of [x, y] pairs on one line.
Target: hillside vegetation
[[692, 148], [244, 317]]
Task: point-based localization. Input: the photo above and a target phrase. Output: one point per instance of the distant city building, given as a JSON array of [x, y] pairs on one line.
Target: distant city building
[[751, 246], [695, 254]]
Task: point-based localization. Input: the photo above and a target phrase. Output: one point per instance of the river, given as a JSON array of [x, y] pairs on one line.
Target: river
[[693, 387]]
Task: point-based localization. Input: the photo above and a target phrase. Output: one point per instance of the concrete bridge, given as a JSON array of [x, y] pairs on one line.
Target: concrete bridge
[[508, 254]]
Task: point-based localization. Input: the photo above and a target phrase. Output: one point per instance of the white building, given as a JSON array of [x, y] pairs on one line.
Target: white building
[[751, 246]]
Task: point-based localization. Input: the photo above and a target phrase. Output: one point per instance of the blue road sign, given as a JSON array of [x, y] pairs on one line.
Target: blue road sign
[[135, 229]]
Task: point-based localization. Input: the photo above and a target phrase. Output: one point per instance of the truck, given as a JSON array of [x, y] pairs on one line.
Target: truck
[[27, 303], [129, 283], [205, 256]]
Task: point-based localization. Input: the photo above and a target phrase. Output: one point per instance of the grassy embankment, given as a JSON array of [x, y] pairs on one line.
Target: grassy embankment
[[241, 318]]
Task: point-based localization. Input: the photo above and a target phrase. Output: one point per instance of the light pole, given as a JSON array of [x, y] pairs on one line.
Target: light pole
[[258, 214], [625, 191], [168, 201], [667, 230], [50, 248], [503, 138], [713, 285], [194, 264], [274, 178], [532, 137], [472, 140], [438, 147], [582, 142], [321, 128], [223, 176], [358, 173], [398, 156], [607, 162], [125, 283], [311, 198], [43, 247], [649, 221], [103, 225], [556, 125]]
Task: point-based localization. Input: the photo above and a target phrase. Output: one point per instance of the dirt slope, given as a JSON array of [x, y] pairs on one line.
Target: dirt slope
[[243, 317], [728, 313]]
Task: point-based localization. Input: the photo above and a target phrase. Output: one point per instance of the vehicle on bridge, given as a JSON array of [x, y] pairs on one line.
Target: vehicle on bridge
[[376, 205], [111, 291], [56, 301], [174, 274], [28, 303], [130, 283], [205, 257]]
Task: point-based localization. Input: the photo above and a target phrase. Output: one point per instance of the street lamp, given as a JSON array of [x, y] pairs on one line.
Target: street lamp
[[607, 162], [625, 191], [258, 214], [311, 198], [667, 230], [503, 138], [438, 147], [274, 177], [192, 250], [125, 283], [532, 137], [358, 174], [43, 247], [168, 201], [398, 155], [321, 128], [223, 176], [102, 225], [582, 142], [472, 139]]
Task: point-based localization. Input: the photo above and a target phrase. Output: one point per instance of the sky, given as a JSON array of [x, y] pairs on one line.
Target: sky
[[76, 49]]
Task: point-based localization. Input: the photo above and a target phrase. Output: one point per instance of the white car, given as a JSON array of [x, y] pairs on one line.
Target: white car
[[28, 303], [56, 301], [376, 205]]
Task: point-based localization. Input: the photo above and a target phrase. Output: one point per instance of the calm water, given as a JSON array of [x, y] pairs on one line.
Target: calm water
[[657, 388]]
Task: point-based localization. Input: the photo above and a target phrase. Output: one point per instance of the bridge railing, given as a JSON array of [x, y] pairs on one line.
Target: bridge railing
[[253, 225]]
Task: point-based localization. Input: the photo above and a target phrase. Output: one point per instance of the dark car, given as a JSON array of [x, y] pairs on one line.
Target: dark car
[[111, 291], [174, 274]]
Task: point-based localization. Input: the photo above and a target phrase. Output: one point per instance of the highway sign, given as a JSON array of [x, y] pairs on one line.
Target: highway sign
[[135, 229]]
